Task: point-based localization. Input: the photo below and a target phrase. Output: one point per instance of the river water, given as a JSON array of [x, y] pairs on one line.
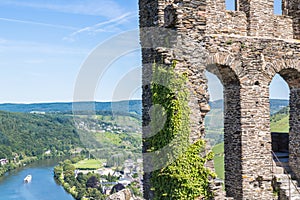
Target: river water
[[42, 186]]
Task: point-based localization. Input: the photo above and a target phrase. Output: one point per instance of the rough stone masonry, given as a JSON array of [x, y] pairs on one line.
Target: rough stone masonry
[[245, 49]]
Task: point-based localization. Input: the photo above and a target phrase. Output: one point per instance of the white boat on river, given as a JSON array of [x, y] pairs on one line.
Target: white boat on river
[[28, 179]]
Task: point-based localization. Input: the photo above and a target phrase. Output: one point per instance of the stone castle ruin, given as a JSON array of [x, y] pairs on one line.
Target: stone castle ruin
[[245, 49]]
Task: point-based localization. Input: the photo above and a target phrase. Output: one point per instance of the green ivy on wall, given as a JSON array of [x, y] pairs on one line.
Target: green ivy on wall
[[184, 176]]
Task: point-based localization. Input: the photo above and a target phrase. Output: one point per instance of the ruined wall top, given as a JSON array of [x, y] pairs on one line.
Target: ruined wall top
[[251, 18]]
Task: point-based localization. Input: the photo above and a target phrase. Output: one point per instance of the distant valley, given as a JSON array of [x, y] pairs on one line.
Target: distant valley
[[30, 132], [33, 131], [132, 106]]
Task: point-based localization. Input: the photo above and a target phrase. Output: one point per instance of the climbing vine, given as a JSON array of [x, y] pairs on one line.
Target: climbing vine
[[185, 176]]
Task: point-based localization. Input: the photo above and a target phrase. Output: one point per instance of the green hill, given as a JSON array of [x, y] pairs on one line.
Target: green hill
[[25, 137], [113, 138], [280, 121], [31, 135], [219, 159]]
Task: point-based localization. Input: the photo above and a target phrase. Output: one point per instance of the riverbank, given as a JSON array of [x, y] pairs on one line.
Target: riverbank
[[80, 186], [42, 186], [11, 165]]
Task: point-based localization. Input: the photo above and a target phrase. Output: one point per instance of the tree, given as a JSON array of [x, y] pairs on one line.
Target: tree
[[93, 193], [80, 192], [92, 182], [58, 170], [81, 178]]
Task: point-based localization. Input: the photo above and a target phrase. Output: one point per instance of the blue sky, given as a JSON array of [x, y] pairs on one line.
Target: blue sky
[[43, 45]]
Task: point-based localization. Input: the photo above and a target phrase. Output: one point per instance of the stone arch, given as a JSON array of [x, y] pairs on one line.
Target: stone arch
[[285, 67], [291, 74], [224, 59], [227, 68], [289, 69]]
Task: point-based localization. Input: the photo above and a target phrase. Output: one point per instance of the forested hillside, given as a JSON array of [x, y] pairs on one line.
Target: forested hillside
[[29, 135], [25, 137]]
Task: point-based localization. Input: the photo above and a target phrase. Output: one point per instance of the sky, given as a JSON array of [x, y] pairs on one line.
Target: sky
[[45, 45]]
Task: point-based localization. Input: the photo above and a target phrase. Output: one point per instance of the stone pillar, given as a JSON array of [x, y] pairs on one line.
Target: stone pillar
[[150, 17], [232, 129], [292, 8], [294, 134], [256, 138], [232, 141], [260, 16]]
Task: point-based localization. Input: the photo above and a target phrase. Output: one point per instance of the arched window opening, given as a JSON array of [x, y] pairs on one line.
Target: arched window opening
[[224, 119], [291, 159], [278, 7], [231, 5], [214, 122], [279, 120]]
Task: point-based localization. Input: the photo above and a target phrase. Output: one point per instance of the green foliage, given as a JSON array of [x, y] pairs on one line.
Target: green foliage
[[68, 166], [115, 140], [280, 121], [92, 182], [93, 193], [84, 186], [58, 172], [170, 92], [185, 176], [32, 135], [135, 189], [24, 137], [218, 150]]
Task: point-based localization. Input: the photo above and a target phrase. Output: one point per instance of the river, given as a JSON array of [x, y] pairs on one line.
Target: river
[[42, 186]]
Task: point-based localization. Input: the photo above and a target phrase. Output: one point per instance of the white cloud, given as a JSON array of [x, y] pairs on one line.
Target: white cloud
[[106, 26], [37, 23], [105, 8]]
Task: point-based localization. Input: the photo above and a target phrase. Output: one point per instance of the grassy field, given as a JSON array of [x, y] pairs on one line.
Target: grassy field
[[281, 126], [108, 138], [88, 164], [219, 159]]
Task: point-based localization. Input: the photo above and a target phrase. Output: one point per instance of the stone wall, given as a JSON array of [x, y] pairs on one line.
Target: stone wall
[[291, 8], [283, 27], [260, 16], [245, 49]]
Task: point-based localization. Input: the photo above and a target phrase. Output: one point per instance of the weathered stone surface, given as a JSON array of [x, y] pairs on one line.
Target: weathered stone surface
[[245, 49], [122, 195]]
